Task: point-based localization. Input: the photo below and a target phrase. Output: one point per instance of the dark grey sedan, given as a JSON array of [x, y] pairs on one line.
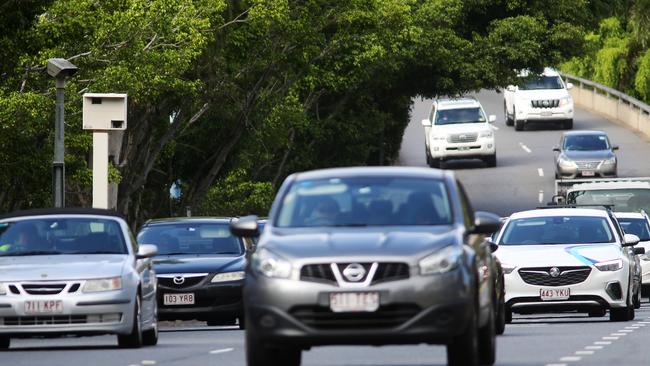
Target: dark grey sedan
[[370, 256], [585, 154]]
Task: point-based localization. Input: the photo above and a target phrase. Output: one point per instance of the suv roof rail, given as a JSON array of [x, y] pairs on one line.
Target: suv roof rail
[[608, 207]]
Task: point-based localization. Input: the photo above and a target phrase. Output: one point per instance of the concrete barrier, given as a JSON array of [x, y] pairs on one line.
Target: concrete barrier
[[610, 103]]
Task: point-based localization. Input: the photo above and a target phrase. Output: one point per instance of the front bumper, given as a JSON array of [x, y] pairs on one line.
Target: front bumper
[[645, 271], [601, 170], [212, 300], [528, 113], [421, 309], [481, 148], [597, 291]]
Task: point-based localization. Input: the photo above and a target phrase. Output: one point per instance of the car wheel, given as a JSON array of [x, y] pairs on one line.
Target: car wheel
[[501, 319], [463, 349], [133, 339], [568, 124], [491, 161], [150, 336], [259, 354], [5, 342], [435, 163], [509, 121], [597, 313], [241, 322], [487, 342], [519, 125], [508, 315], [636, 301]]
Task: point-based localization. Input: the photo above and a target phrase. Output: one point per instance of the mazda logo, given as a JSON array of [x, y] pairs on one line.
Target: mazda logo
[[554, 272], [354, 272], [179, 280]]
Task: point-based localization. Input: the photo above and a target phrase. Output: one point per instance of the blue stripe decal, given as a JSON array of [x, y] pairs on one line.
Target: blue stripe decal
[[573, 250]]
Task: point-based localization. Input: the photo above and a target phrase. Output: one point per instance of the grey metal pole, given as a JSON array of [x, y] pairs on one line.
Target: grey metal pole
[[59, 146]]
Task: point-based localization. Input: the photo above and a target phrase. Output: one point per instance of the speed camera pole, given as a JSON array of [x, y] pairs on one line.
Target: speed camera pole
[[60, 69]]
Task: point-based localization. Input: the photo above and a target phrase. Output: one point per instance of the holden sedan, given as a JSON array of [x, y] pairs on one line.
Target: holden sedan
[[200, 268], [75, 271]]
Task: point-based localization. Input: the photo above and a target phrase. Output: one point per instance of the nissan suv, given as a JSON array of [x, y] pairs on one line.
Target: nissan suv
[[459, 129], [370, 256]]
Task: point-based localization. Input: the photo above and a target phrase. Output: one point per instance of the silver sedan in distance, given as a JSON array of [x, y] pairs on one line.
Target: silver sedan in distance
[[585, 154], [75, 271]]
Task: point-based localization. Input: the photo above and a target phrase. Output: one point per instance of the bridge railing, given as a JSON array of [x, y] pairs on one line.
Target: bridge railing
[[610, 103]]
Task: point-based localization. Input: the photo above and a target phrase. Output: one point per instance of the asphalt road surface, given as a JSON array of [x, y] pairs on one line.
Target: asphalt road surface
[[522, 179]]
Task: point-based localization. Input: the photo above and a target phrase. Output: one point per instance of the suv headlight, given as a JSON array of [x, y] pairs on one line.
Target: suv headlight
[[228, 276], [610, 161], [103, 284], [613, 265], [270, 265], [3, 289], [566, 101], [486, 133], [444, 260], [566, 163], [507, 268]]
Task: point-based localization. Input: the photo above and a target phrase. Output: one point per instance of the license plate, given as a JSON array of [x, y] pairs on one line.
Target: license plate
[[44, 307], [178, 299], [547, 114], [588, 173], [463, 148], [346, 302], [555, 293]]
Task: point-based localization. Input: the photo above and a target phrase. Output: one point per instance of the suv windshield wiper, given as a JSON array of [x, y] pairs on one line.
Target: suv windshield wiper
[[33, 252]]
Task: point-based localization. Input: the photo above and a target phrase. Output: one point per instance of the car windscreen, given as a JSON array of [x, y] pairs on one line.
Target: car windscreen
[[50, 236], [557, 230], [621, 200], [541, 83], [459, 115], [636, 226], [585, 142], [192, 238], [365, 201]]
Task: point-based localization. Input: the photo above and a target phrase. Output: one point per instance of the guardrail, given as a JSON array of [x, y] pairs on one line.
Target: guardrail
[[611, 103]]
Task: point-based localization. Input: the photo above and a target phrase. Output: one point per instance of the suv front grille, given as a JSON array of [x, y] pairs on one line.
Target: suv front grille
[[187, 281], [389, 316], [587, 164], [547, 103], [462, 137], [323, 273], [317, 273], [541, 276]]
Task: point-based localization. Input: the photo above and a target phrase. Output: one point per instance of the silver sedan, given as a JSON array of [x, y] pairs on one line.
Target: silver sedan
[[73, 271], [585, 154]]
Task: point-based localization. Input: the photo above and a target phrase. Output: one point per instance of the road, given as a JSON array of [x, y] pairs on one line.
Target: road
[[522, 179]]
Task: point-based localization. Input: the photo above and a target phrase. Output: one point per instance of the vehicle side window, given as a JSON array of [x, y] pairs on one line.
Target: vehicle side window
[[134, 242], [617, 227], [468, 212], [433, 112]]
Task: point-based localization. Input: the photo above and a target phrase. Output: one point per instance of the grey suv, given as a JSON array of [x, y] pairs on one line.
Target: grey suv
[[370, 256]]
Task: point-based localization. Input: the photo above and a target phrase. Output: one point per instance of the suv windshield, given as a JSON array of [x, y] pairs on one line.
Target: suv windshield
[[191, 238], [622, 200], [365, 201], [541, 83], [557, 230], [61, 236], [638, 227], [459, 115], [585, 142]]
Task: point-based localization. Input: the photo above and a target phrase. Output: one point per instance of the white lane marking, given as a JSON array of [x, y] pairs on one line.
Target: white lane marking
[[526, 149], [148, 362], [556, 364], [594, 347], [540, 171], [619, 334], [570, 359], [584, 353], [540, 196], [218, 351], [626, 331], [632, 327], [610, 338], [639, 325], [603, 342], [494, 127]]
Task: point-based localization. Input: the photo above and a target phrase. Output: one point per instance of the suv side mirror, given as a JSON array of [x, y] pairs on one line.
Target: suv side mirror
[[615, 147], [492, 118], [146, 251], [246, 227], [556, 149], [426, 123], [493, 246], [639, 251], [630, 240], [511, 88], [569, 86], [486, 223]]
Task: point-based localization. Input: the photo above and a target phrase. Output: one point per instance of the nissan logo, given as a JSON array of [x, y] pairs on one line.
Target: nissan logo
[[554, 272], [354, 272], [179, 280]]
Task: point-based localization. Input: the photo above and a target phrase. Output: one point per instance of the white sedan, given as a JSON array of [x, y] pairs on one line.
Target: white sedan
[[567, 259]]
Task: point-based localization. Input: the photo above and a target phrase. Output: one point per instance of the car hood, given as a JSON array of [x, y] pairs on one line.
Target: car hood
[[462, 128], [588, 155], [357, 244], [197, 264], [557, 255], [61, 267], [542, 94]]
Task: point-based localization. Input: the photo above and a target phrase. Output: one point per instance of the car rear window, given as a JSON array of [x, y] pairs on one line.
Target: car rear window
[[61, 236], [557, 230], [191, 238]]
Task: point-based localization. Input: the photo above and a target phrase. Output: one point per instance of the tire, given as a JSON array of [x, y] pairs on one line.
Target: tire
[[491, 161], [519, 125], [5, 342], [501, 319], [487, 342], [568, 124], [463, 349], [622, 314], [150, 336], [597, 313], [636, 301], [435, 163], [508, 313], [258, 354], [241, 322], [509, 121], [133, 339]]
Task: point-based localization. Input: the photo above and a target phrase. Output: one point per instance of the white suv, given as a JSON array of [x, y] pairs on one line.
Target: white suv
[[458, 129], [538, 98]]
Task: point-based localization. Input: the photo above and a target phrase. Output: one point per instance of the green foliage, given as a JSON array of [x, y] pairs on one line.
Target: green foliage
[[234, 195], [642, 79]]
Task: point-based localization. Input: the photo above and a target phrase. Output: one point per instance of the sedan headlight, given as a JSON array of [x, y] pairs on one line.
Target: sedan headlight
[[271, 265], [228, 276], [613, 265], [565, 101], [3, 289], [610, 161], [564, 162], [508, 268], [441, 261], [103, 284], [487, 133]]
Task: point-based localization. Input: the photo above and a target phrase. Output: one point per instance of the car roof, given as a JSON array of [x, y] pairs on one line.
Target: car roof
[[609, 185], [629, 215], [76, 211], [584, 132], [188, 220], [551, 212], [354, 172], [456, 103]]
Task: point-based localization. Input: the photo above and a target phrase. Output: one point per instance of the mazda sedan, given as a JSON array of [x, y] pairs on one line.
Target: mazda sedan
[[75, 271], [200, 268]]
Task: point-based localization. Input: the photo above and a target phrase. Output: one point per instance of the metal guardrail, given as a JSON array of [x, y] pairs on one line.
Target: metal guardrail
[[602, 89]]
